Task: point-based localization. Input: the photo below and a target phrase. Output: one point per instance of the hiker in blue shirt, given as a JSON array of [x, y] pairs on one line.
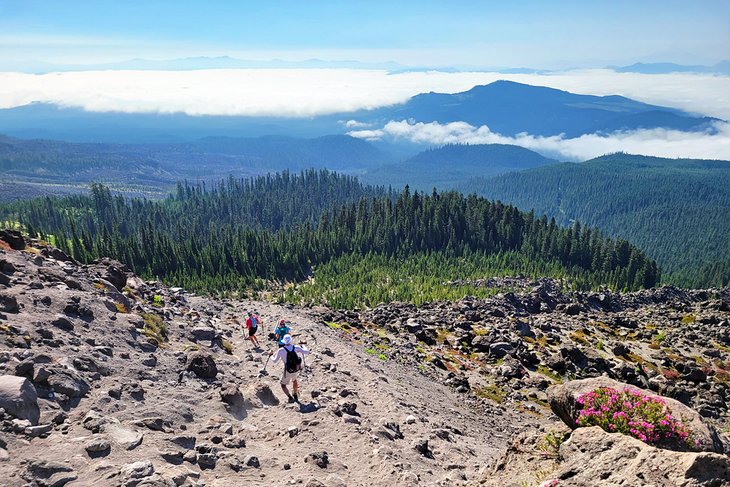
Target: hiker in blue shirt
[[281, 330]]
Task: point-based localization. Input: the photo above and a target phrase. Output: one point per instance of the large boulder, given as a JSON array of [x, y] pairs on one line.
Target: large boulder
[[481, 343], [69, 383], [203, 333], [563, 399], [18, 398], [591, 456], [112, 271], [13, 238], [8, 304], [202, 364], [48, 474]]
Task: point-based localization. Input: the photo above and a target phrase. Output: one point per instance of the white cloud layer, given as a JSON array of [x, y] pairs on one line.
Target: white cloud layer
[[657, 142], [310, 92]]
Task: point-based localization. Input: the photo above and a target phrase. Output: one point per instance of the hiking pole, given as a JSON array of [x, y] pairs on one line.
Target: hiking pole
[[263, 370]]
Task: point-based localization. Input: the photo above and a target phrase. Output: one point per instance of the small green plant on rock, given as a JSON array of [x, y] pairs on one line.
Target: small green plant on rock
[[550, 444], [158, 301]]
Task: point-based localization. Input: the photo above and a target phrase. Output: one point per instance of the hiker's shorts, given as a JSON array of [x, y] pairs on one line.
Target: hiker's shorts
[[252, 331], [287, 377]]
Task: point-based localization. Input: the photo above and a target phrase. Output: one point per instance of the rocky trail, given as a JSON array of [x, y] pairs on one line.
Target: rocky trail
[[138, 389], [109, 380]]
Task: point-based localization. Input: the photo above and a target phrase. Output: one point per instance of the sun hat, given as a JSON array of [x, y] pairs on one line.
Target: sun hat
[[286, 340]]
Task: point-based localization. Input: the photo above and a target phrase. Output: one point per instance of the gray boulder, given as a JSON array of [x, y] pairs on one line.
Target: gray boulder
[[8, 304], [132, 473], [481, 343], [594, 457], [202, 364], [69, 383], [203, 333], [501, 349], [19, 398], [563, 402], [48, 474], [13, 238]]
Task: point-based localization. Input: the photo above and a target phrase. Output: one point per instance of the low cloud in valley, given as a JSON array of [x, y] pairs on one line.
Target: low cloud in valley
[[658, 142]]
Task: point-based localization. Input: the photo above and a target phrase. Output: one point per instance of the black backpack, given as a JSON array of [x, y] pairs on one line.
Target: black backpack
[[293, 361]]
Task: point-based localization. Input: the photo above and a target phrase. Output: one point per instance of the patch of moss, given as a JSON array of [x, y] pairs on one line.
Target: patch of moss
[[722, 375], [154, 329], [547, 372], [227, 346], [441, 335], [688, 319], [580, 336], [493, 392]]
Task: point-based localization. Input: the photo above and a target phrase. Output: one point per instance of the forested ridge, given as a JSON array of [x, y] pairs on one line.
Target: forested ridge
[[676, 210], [450, 165], [241, 234]]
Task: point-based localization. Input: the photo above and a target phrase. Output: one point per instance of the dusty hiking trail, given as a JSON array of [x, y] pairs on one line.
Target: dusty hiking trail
[[387, 400], [117, 409]]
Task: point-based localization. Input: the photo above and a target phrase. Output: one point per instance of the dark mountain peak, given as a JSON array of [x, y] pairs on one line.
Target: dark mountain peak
[[500, 157], [510, 108]]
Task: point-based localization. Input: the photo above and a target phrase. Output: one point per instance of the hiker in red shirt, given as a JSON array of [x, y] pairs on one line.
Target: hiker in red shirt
[[252, 324]]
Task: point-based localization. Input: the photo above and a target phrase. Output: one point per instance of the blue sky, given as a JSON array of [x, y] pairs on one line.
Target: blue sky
[[477, 33]]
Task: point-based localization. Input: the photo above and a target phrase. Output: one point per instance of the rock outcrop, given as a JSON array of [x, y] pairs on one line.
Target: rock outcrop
[[19, 399], [594, 457]]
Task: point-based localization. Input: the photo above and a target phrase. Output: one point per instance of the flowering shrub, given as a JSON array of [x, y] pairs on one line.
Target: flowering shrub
[[632, 413]]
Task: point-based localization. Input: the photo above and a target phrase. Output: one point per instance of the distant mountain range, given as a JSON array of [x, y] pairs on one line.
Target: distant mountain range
[[505, 107], [229, 62], [723, 67]]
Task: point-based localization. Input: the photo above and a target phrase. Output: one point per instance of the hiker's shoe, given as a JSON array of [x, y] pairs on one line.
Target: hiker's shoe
[[292, 400], [296, 398]]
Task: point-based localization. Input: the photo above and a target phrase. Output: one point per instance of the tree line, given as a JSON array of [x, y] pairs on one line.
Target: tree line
[[243, 234]]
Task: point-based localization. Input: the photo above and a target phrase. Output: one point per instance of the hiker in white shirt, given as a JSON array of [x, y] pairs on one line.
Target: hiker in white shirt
[[290, 355]]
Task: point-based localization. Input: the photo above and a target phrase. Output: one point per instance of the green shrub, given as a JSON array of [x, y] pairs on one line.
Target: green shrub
[[154, 329]]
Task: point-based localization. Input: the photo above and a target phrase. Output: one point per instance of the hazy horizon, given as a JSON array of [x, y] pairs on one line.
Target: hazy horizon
[[339, 57], [523, 33]]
